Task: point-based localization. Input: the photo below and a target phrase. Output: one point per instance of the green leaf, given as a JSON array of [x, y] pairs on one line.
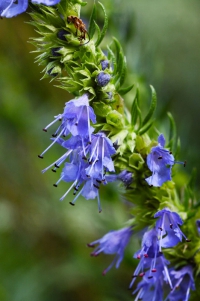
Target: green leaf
[[121, 64], [92, 27], [135, 110], [152, 107], [145, 128], [178, 148], [98, 31], [125, 90], [112, 58], [172, 133], [123, 71], [105, 26]]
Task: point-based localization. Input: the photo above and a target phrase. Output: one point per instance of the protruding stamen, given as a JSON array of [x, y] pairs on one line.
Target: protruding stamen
[[56, 184], [58, 162], [74, 200], [50, 124], [64, 195], [99, 204], [51, 144], [41, 157], [90, 245]]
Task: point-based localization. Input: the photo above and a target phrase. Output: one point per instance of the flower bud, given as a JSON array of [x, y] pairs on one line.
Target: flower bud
[[103, 79], [104, 64]]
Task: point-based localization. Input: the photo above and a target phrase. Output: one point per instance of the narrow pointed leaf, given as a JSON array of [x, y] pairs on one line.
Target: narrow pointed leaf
[[98, 32], [172, 133], [135, 110], [112, 57], [125, 90], [92, 27], [105, 26], [146, 127], [152, 107]]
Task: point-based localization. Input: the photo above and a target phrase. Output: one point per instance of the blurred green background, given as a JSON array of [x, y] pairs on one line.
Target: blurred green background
[[43, 241]]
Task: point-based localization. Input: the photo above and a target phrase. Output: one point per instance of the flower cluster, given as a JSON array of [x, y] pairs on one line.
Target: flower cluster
[[88, 154], [152, 267], [12, 8]]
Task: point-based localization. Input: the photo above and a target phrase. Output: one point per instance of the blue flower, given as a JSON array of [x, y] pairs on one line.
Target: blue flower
[[104, 64], [113, 242], [183, 282], [10, 8], [103, 79], [160, 162], [150, 258], [93, 161], [88, 163], [75, 120], [150, 288], [198, 225], [126, 177], [168, 225]]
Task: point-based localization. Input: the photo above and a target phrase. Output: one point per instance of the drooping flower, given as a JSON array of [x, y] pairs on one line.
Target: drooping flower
[[93, 161], [160, 162], [150, 258], [87, 165], [12, 8], [113, 242], [168, 225], [183, 282], [75, 120], [151, 288]]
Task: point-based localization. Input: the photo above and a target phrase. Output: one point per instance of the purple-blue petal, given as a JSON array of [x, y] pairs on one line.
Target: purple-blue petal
[[89, 191], [161, 140], [14, 9], [46, 2]]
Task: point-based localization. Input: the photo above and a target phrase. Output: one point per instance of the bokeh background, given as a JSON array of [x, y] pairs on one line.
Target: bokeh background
[[43, 253]]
